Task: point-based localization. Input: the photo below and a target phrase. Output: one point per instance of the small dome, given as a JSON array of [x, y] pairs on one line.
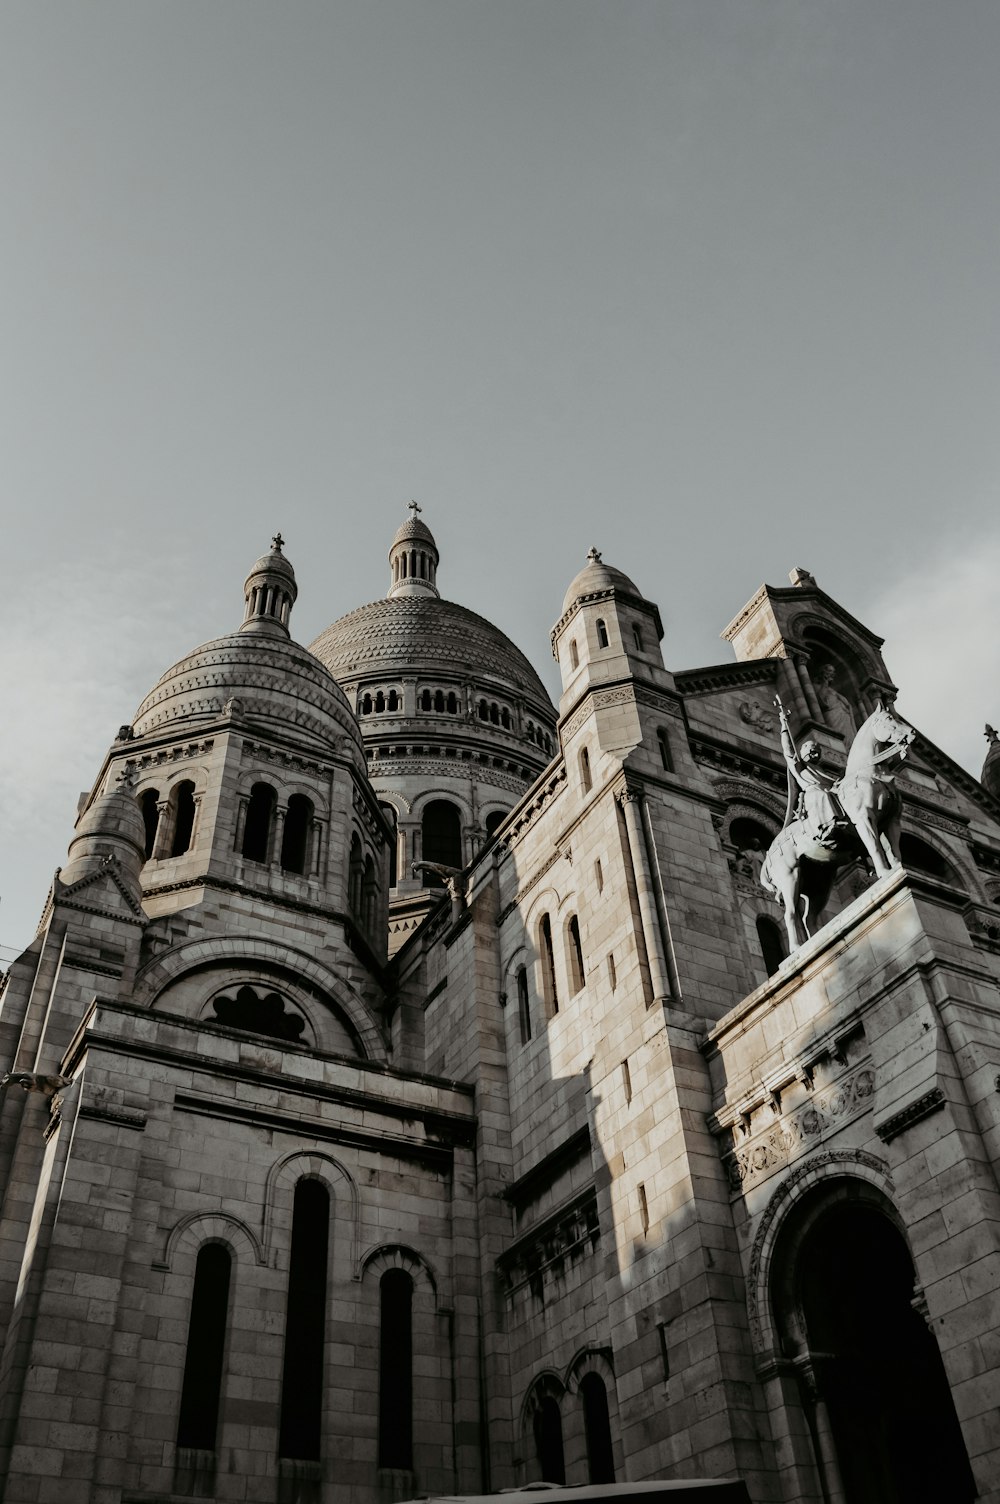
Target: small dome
[[595, 577], [273, 563], [112, 826], [262, 680], [413, 530]]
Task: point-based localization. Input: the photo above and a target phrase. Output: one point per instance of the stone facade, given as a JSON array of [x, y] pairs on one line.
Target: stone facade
[[575, 1177]]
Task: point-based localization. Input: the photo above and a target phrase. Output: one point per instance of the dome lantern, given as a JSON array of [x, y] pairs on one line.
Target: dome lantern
[[413, 558], [269, 591]]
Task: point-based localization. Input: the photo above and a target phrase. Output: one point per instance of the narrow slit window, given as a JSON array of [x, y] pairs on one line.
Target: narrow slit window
[[627, 1082], [201, 1390], [577, 975], [395, 1407], [602, 634], [612, 971], [305, 1324], [574, 656], [523, 1005], [586, 778], [666, 756], [549, 989]]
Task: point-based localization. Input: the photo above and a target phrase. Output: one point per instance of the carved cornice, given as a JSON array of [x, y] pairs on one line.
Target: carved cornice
[[725, 759], [720, 676], [174, 753], [570, 1232], [890, 1128], [253, 751]]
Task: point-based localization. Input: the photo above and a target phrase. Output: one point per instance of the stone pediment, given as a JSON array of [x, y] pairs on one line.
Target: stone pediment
[[102, 892]]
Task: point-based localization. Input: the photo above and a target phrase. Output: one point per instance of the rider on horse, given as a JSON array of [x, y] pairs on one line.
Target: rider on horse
[[811, 792]]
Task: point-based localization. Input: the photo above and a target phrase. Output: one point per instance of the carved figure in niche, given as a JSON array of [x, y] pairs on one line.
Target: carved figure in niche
[[749, 859], [838, 712], [259, 1015], [829, 820]]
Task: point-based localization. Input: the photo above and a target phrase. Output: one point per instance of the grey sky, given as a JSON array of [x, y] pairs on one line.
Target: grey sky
[[710, 285]]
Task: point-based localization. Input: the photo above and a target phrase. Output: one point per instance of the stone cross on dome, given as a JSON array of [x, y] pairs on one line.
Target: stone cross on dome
[[277, 543], [414, 508], [594, 556]]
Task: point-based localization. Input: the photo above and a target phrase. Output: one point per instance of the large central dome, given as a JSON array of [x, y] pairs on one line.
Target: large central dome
[[421, 631], [456, 723]]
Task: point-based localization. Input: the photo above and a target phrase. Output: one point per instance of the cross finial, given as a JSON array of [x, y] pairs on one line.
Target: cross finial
[[277, 543], [594, 556], [127, 778], [414, 508], [991, 735]]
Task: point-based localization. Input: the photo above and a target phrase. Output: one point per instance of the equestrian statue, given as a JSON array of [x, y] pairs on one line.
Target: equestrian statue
[[831, 821]]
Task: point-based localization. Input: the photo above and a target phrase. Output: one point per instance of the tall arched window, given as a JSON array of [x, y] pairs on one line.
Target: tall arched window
[[183, 806], [597, 1429], [602, 634], [369, 893], [666, 756], [201, 1389], [547, 1423], [390, 814], [772, 945], [574, 655], [395, 1394], [355, 875], [259, 819], [149, 802], [442, 837], [295, 837], [547, 953], [574, 952], [305, 1324], [523, 1004]]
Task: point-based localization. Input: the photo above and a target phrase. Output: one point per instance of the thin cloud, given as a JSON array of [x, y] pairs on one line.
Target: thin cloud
[[942, 648]]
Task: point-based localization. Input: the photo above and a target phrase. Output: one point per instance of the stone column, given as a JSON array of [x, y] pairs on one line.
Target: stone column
[[277, 833], [630, 800], [161, 844], [315, 847], [241, 820]]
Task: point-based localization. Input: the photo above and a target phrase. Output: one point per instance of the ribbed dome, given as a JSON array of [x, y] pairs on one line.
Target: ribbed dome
[[414, 530], [274, 562], [269, 680], [425, 632], [112, 826], [596, 576]]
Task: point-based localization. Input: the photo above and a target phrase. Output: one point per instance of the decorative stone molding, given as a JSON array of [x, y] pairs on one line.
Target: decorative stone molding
[[755, 1157], [570, 1232], [257, 752], [890, 1128], [831, 1164], [701, 681], [189, 1234], [726, 760], [378, 1261]]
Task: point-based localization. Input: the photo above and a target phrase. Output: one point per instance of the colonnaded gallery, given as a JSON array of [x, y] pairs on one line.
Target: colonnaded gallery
[[416, 1089]]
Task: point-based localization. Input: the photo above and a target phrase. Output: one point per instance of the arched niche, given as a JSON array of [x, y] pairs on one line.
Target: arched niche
[[848, 1315]]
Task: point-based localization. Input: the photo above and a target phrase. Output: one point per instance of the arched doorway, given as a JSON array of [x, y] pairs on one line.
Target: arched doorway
[[874, 1388]]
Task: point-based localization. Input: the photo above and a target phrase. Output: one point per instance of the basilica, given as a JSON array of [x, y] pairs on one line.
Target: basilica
[[416, 1088]]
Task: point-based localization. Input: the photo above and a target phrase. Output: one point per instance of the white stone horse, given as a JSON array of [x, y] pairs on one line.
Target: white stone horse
[[799, 867]]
